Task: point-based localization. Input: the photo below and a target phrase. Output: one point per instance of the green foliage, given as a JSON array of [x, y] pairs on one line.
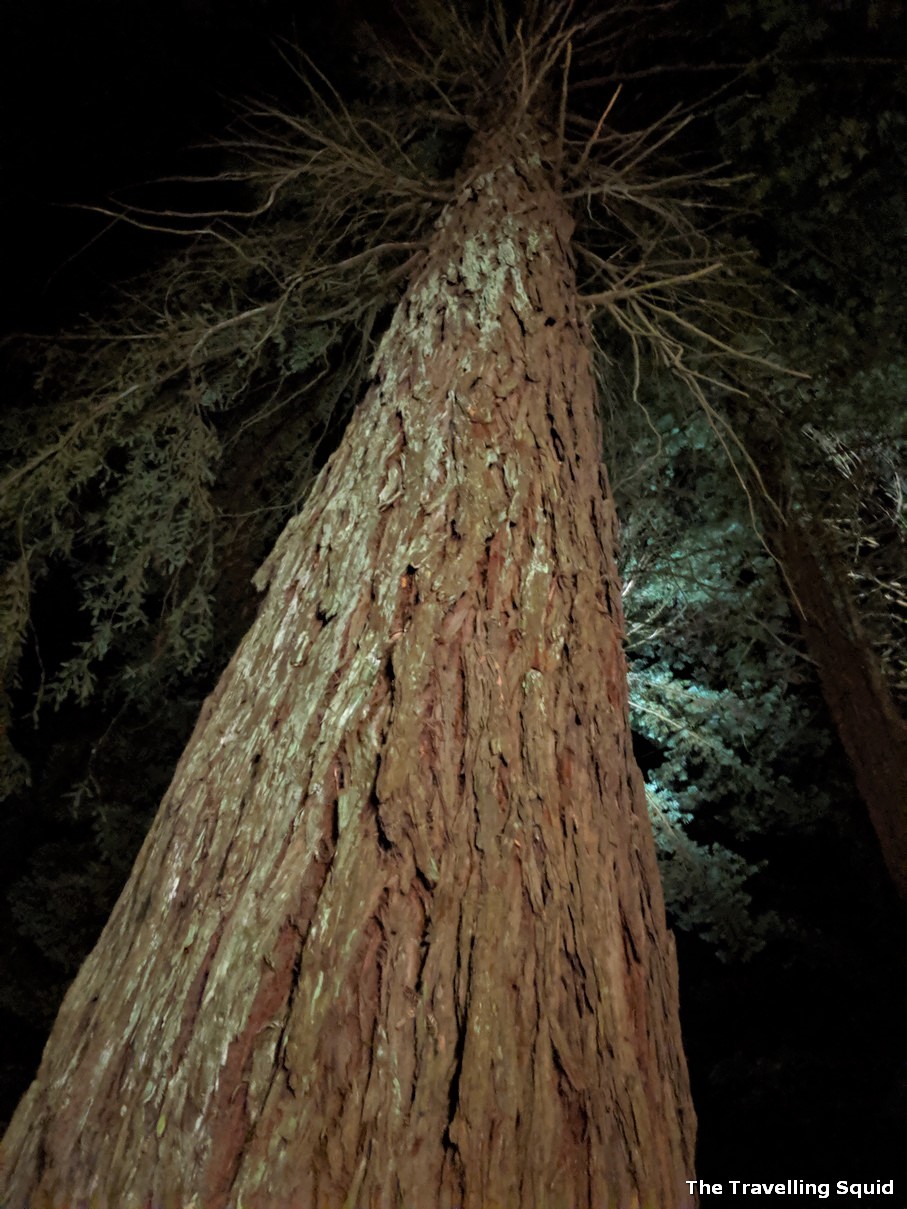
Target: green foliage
[[156, 522], [136, 475]]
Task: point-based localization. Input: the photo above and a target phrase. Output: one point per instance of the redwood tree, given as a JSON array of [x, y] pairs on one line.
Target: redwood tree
[[396, 935]]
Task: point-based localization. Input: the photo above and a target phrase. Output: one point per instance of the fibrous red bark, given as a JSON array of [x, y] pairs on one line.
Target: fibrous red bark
[[396, 936]]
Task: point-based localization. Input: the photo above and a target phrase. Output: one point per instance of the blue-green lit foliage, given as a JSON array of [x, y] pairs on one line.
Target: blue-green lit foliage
[[727, 740], [722, 703]]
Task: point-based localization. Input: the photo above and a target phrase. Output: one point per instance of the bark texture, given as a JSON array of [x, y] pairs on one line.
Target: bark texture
[[396, 936]]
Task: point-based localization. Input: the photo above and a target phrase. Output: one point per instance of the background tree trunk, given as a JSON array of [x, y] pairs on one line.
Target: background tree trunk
[[396, 935], [861, 705]]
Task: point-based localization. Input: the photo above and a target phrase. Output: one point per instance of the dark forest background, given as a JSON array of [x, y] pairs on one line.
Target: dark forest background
[[791, 935]]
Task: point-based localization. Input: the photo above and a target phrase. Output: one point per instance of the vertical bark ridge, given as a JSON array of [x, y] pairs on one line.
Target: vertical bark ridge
[[396, 936]]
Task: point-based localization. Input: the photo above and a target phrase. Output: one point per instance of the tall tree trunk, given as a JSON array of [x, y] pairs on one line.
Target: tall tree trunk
[[396, 935], [871, 730]]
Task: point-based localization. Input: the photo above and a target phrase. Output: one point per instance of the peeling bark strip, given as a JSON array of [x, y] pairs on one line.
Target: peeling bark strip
[[396, 937]]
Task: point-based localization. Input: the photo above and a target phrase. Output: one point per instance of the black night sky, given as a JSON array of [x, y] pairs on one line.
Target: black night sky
[[798, 1057]]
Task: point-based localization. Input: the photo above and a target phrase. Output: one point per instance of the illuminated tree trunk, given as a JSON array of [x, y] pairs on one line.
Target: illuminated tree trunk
[[396, 936]]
